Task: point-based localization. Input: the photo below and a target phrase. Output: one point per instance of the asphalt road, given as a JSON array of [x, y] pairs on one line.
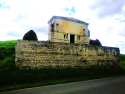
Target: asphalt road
[[111, 85]]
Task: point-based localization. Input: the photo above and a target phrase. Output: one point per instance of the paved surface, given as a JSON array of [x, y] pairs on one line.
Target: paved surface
[[111, 85]]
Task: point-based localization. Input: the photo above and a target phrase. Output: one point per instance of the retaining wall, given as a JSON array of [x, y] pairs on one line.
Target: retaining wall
[[38, 54]]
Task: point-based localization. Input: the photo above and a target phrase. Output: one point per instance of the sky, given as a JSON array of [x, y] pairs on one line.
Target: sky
[[106, 18]]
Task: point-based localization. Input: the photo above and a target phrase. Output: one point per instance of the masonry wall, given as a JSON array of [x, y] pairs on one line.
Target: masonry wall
[[31, 54]]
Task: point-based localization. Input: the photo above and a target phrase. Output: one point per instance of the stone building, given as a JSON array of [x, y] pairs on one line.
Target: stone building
[[68, 30], [69, 46]]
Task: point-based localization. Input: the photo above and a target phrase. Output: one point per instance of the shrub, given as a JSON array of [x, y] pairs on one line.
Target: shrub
[[31, 35], [97, 42], [91, 41]]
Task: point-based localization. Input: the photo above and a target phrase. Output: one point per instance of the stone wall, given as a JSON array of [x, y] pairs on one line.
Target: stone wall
[[67, 28], [38, 54]]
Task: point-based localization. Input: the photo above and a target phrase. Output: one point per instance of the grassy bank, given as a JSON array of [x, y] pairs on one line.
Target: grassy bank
[[12, 78]]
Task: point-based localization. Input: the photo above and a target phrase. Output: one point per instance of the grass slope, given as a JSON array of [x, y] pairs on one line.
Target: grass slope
[[12, 78]]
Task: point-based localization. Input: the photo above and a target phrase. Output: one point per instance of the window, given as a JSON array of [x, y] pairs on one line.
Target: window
[[57, 27], [78, 37], [52, 27], [83, 32], [66, 36]]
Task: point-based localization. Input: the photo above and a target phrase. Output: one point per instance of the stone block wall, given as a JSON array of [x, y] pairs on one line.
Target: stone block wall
[[38, 54]]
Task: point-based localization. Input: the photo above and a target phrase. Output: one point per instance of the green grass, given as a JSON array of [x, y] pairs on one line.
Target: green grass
[[11, 78], [44, 40]]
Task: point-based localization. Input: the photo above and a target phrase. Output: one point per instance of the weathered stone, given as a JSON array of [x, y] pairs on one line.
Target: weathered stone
[[63, 51], [57, 55]]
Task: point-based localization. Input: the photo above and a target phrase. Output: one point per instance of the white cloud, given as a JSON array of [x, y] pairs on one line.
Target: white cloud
[[107, 8], [25, 15]]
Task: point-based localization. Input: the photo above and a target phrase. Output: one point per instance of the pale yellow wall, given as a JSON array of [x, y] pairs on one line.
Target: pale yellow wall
[[69, 27]]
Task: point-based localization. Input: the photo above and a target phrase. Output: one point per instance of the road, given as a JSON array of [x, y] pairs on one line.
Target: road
[[111, 85]]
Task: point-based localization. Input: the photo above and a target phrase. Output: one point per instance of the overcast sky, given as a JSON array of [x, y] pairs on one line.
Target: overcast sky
[[106, 18]]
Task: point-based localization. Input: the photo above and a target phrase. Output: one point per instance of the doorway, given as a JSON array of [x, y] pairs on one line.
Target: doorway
[[72, 38]]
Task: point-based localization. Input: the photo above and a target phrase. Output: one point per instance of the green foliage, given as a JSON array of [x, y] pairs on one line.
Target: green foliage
[[45, 40], [8, 63], [7, 48], [97, 42], [31, 35], [9, 75], [122, 64], [122, 57], [122, 61]]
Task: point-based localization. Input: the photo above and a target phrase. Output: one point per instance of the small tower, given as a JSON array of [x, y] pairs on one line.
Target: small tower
[[68, 30]]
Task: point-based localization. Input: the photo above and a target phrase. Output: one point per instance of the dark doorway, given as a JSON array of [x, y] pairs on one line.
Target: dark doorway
[[72, 39]]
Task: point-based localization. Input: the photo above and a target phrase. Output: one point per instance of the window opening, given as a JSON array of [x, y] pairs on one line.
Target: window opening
[[78, 37], [67, 36], [83, 32], [52, 27]]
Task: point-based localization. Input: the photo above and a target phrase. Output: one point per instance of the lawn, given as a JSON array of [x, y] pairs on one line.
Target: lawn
[[11, 78]]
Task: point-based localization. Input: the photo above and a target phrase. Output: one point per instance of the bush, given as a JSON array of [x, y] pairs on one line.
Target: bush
[[8, 63], [47, 40], [31, 35], [91, 41], [97, 42]]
